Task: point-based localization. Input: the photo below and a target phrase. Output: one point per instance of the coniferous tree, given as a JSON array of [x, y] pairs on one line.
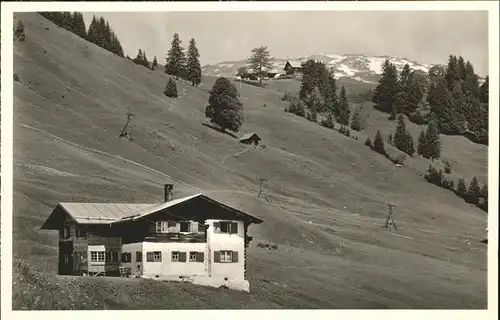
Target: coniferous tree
[[483, 91], [224, 107], [260, 62], [193, 64], [171, 89], [92, 33], [386, 91], [432, 149], [332, 99], [358, 120], [403, 139], [79, 25], [461, 188], [403, 89], [176, 59], [378, 144], [315, 101], [154, 64], [484, 197], [390, 139], [343, 107], [474, 192]]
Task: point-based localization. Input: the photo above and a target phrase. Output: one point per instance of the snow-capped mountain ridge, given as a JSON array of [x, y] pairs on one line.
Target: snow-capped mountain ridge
[[355, 66]]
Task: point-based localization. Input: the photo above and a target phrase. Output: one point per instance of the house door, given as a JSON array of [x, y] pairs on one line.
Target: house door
[[66, 257]]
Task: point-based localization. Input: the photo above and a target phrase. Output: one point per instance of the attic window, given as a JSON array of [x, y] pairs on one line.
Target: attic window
[[226, 227]]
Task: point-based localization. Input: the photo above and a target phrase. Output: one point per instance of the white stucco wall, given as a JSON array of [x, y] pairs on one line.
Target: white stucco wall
[[223, 241], [166, 267]]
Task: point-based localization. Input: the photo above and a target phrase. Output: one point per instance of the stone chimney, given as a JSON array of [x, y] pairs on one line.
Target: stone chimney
[[169, 192]]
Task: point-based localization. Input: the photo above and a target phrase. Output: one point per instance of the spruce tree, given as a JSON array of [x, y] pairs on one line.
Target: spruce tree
[[78, 25], [474, 192], [461, 188], [400, 134], [484, 196], [332, 98], [176, 60], [154, 64], [432, 141], [378, 144], [358, 121], [483, 91], [193, 64], [390, 139], [224, 107], [343, 107], [403, 89], [92, 33], [171, 89], [386, 91]]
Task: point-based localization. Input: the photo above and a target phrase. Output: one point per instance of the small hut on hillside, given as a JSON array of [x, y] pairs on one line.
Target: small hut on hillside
[[250, 138]]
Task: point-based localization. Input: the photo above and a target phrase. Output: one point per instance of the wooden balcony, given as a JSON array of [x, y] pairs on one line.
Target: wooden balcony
[[193, 237]]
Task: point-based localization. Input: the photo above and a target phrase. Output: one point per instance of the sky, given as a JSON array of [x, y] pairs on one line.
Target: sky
[[424, 36]]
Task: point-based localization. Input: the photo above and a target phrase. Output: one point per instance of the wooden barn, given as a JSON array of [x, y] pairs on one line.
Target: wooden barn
[[293, 68], [195, 239], [250, 138]]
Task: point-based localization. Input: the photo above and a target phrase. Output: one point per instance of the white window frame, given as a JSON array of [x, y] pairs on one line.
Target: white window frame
[[176, 256], [229, 223], [156, 256], [226, 256], [193, 254], [101, 256]]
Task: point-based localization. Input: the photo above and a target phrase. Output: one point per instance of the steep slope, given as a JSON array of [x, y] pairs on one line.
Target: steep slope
[[327, 193]]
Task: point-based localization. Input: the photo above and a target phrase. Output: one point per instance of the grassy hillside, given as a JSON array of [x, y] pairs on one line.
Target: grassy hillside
[[327, 193]]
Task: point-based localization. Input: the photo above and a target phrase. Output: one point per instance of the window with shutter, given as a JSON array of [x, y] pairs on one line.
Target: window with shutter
[[158, 226], [193, 256], [124, 257], [149, 257], [157, 256], [217, 256], [175, 256], [226, 256], [100, 256], [235, 256], [234, 227], [200, 256], [138, 256], [182, 257]]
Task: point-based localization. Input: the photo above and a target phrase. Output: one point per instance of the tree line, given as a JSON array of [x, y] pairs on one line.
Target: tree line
[[182, 66], [451, 96], [99, 31], [319, 94]]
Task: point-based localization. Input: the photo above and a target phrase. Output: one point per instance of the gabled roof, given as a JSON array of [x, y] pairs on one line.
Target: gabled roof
[[112, 213], [294, 64], [248, 136]]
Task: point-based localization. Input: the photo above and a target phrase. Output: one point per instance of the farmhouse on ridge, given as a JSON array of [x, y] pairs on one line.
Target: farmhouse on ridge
[[293, 68], [195, 239], [250, 138]]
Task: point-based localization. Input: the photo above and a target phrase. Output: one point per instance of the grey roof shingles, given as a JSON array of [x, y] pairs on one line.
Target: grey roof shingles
[[106, 213]]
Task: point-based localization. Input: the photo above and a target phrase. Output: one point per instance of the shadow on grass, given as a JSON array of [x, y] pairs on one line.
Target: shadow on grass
[[218, 130]]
